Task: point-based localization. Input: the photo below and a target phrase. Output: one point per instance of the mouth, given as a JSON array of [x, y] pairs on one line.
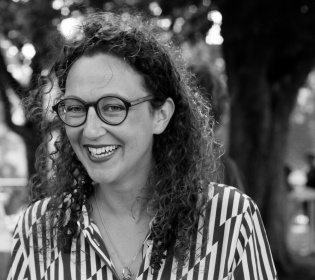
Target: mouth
[[102, 152]]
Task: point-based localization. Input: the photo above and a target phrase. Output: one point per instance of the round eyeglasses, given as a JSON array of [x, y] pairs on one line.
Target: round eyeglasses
[[112, 110]]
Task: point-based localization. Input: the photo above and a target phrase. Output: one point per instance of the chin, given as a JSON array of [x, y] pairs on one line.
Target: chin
[[99, 178]]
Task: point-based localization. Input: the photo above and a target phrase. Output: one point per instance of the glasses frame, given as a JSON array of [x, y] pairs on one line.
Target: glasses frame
[[87, 105]]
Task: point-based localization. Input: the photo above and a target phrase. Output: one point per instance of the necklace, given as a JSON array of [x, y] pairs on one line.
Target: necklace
[[126, 272]]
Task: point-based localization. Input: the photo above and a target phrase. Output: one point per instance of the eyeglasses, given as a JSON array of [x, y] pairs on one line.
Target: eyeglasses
[[110, 109]]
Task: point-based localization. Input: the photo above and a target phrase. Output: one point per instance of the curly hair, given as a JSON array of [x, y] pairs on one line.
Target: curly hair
[[185, 154]]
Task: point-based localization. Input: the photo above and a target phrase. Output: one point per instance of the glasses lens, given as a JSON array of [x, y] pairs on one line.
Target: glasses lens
[[112, 110], [72, 112]]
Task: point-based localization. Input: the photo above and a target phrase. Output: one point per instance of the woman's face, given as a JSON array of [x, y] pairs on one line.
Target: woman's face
[[117, 155]]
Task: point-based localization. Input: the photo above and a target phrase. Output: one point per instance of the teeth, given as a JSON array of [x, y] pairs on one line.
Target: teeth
[[102, 152]]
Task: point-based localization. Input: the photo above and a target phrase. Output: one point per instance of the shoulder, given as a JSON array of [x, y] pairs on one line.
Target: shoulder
[[226, 194], [235, 231], [229, 202], [33, 213], [37, 214], [230, 217]]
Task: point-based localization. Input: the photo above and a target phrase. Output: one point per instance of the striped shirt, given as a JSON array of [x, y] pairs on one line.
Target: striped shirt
[[236, 247]]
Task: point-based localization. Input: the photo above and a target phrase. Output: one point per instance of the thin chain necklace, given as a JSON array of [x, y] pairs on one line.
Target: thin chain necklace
[[126, 272]]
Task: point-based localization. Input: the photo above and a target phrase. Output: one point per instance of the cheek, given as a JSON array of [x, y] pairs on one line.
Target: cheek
[[142, 139], [70, 132], [73, 136]]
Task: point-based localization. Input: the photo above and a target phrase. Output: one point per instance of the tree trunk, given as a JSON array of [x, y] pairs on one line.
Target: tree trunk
[[260, 111], [27, 131]]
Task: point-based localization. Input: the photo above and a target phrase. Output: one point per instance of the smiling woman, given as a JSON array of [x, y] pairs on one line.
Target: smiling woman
[[112, 121], [131, 193]]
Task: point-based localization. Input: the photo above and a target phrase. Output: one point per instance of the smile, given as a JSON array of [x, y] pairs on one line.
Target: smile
[[102, 152]]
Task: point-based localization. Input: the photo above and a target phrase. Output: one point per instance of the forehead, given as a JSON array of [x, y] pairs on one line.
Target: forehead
[[102, 74]]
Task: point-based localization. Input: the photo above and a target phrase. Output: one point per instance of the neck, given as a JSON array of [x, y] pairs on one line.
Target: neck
[[126, 203]]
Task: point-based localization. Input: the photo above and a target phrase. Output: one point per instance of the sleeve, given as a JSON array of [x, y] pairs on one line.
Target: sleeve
[[255, 259], [19, 267]]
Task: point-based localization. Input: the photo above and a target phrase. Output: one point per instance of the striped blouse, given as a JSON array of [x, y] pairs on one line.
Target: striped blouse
[[236, 247]]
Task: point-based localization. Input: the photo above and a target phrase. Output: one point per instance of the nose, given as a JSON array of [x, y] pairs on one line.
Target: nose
[[94, 127]]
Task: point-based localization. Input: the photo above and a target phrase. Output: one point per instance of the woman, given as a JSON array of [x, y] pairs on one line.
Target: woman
[[128, 193]]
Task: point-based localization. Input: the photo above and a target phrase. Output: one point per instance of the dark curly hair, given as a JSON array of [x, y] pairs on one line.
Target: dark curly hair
[[185, 154]]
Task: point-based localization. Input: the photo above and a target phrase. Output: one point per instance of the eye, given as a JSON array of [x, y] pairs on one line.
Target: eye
[[114, 108], [111, 106], [74, 109]]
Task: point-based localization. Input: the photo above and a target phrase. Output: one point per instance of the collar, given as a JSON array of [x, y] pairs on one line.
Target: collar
[[93, 236]]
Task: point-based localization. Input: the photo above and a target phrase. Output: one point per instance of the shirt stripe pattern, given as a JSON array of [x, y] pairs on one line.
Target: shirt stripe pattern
[[230, 243]]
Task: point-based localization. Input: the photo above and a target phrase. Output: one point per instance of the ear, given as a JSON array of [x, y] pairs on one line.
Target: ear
[[163, 115]]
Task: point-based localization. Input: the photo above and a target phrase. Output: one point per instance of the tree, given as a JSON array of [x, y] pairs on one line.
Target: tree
[[269, 52], [25, 22]]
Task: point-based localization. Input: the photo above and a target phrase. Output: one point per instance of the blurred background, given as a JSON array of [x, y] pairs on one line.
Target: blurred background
[[254, 61]]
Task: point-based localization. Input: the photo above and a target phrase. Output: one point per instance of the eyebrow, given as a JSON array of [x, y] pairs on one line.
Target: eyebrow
[[110, 94]]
